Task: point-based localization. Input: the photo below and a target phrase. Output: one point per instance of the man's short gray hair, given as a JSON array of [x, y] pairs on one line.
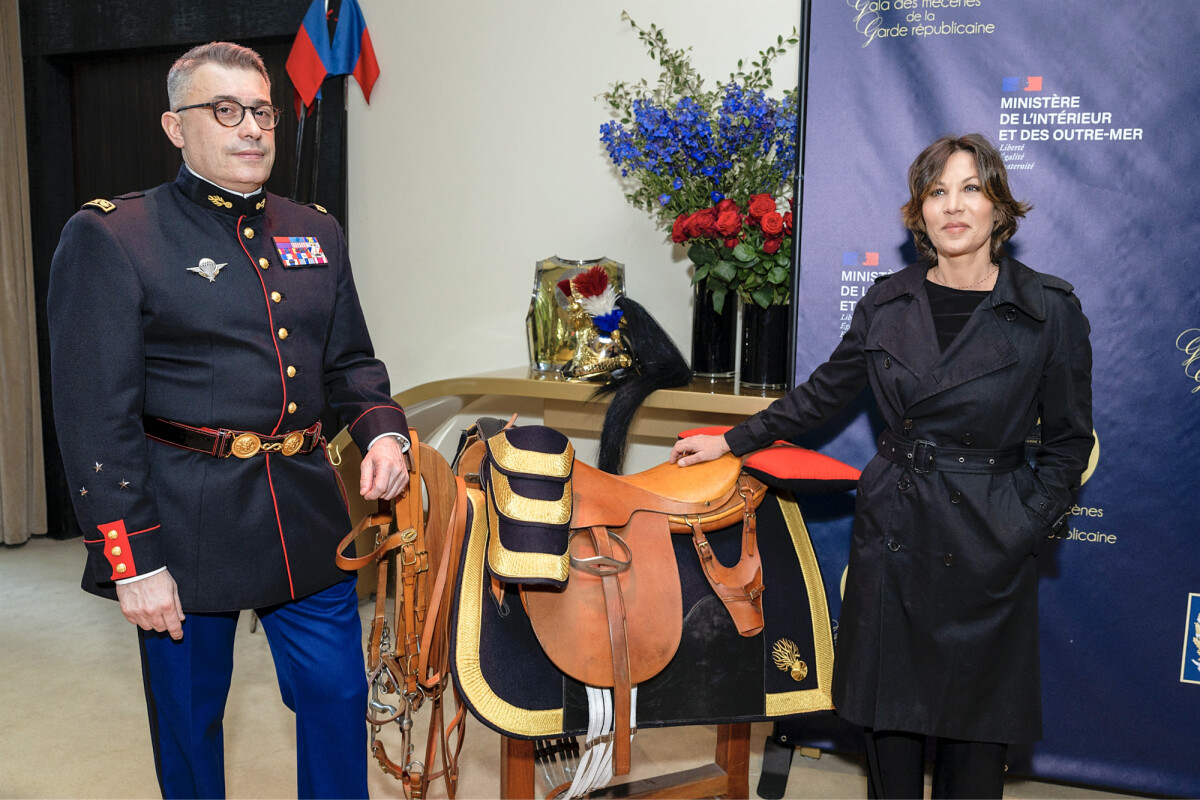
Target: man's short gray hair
[[226, 54]]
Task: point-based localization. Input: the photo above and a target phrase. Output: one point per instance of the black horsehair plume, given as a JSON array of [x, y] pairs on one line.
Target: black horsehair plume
[[660, 365]]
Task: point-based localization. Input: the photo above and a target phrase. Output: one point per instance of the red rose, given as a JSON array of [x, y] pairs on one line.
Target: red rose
[[787, 224], [679, 229], [729, 221], [704, 222], [760, 205], [732, 242], [771, 246], [725, 205], [772, 224]]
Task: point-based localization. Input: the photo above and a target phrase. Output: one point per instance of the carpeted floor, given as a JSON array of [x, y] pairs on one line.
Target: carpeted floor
[[74, 719]]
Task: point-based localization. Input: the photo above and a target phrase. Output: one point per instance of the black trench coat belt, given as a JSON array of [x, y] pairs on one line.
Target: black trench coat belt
[[925, 456]]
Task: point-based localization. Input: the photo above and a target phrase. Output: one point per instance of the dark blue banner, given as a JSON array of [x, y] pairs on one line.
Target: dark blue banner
[[1093, 106]]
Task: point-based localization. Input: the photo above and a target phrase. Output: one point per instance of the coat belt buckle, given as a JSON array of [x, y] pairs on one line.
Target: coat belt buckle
[[245, 445], [923, 454], [292, 443]]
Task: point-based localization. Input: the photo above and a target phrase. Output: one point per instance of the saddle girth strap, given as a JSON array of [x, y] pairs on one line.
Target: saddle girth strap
[[619, 647], [740, 587]]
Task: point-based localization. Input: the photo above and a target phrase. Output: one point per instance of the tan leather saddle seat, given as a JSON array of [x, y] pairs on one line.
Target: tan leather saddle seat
[[618, 620]]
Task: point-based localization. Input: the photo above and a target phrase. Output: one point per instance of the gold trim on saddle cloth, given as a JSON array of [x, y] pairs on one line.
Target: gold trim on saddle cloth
[[821, 698], [515, 460], [499, 712], [518, 565], [528, 509]]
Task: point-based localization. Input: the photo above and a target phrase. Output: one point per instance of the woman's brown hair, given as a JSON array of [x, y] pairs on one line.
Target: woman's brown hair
[[927, 169]]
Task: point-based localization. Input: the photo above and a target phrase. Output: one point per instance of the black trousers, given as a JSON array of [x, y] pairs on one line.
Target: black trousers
[[896, 767]]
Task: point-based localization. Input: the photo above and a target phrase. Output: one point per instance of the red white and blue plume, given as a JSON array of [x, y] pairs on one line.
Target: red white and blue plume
[[595, 294]]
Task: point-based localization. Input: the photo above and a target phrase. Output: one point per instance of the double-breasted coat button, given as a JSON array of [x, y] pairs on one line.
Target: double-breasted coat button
[[1010, 314], [291, 408], [956, 497], [968, 439], [248, 233], [908, 424], [887, 362], [283, 333], [291, 371], [904, 482], [893, 545], [262, 262], [948, 559], [276, 297]]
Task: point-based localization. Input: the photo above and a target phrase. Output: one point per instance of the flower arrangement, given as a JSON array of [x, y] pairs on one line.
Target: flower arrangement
[[714, 167]]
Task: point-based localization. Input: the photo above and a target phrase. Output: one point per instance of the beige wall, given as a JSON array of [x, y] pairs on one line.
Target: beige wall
[[479, 155]]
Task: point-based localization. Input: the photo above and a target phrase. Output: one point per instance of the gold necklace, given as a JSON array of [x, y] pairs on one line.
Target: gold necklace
[[942, 280]]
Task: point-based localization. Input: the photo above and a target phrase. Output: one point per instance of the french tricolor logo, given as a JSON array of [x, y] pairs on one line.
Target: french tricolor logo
[[850, 258], [1032, 83]]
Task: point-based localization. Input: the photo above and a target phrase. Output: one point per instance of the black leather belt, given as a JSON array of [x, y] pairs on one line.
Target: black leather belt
[[223, 442], [925, 456]]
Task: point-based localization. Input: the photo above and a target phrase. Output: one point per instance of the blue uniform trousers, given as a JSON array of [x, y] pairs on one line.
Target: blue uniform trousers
[[316, 643]]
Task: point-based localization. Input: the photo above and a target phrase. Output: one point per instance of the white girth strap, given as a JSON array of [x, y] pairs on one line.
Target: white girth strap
[[595, 765]]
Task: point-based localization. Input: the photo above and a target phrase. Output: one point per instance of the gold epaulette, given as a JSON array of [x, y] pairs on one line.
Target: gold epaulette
[[107, 206]]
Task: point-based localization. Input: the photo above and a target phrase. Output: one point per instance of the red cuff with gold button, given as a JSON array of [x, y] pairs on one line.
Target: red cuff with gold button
[[118, 547]]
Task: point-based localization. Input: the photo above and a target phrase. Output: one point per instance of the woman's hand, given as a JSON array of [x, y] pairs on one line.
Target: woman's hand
[[697, 449]]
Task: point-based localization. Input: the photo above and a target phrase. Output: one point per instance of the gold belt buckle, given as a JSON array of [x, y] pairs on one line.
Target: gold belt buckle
[[246, 445], [292, 443]]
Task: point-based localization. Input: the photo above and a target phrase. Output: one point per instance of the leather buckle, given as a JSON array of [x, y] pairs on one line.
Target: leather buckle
[[245, 445], [923, 454]]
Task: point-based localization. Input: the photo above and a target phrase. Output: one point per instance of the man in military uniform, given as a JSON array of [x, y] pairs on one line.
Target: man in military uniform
[[196, 332]]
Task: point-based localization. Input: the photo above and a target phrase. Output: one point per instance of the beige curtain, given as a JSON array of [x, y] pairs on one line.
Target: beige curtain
[[22, 480]]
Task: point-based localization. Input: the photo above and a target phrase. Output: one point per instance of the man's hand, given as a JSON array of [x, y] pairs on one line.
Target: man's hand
[[153, 604], [384, 471], [697, 449]]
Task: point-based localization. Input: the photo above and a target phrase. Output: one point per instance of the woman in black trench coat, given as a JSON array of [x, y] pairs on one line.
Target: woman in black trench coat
[[965, 352]]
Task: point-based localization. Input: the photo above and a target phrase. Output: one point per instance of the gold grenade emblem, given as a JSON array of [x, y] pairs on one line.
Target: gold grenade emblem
[[246, 445], [292, 443], [787, 657]]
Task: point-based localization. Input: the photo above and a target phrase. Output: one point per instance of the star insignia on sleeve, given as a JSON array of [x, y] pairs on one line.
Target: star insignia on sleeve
[[123, 484], [83, 491], [207, 268], [99, 467]]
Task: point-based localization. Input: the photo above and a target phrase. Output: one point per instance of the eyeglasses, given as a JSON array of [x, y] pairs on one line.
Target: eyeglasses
[[231, 114]]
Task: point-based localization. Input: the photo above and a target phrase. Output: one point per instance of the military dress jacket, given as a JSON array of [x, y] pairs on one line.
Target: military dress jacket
[[191, 304], [938, 629]]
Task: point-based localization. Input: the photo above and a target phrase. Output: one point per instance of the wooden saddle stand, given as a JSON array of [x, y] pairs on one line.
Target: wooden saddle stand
[[604, 599]]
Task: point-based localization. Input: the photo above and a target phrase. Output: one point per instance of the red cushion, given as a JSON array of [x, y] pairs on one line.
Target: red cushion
[[796, 469], [712, 430], [800, 470]]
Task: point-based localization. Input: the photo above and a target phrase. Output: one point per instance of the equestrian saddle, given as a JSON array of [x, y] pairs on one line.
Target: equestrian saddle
[[593, 558]]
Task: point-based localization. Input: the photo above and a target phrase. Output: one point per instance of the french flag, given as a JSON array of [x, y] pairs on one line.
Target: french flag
[[314, 57]]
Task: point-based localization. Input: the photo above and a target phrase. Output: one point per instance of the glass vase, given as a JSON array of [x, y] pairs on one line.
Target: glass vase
[[549, 330], [765, 346], [714, 336]]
